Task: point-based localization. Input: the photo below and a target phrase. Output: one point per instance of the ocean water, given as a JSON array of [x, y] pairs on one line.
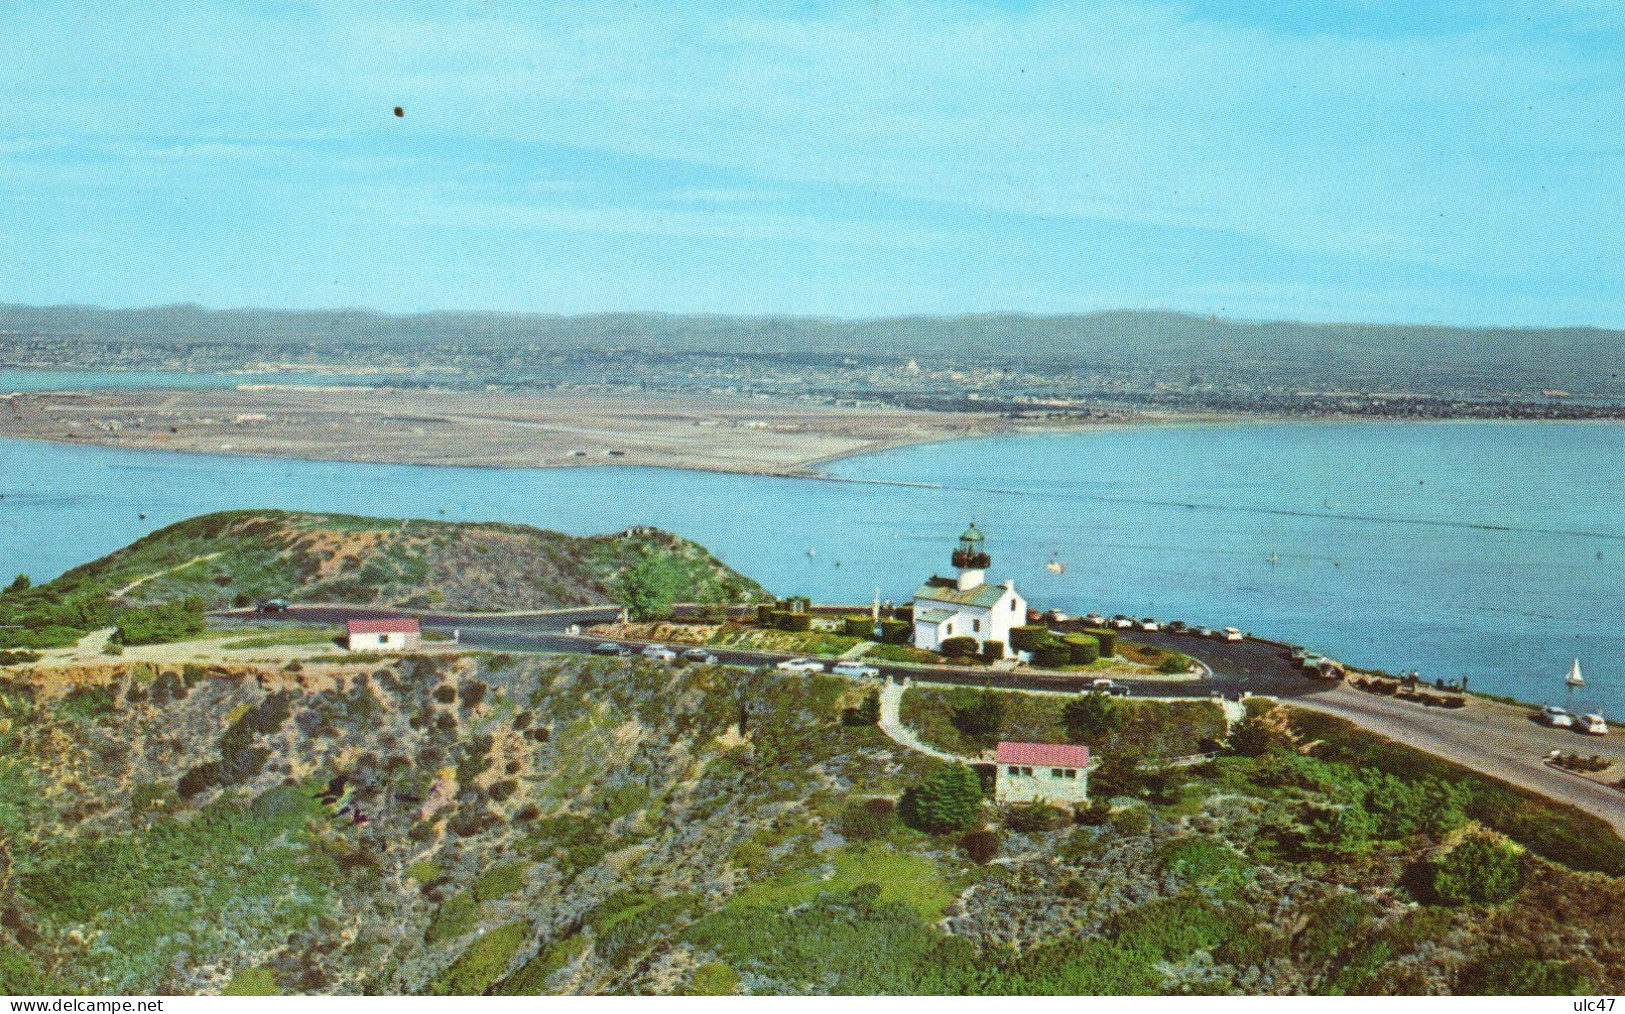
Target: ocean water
[[1482, 549]]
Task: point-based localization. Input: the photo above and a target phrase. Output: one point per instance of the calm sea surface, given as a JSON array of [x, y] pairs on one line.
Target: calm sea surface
[[1486, 549]]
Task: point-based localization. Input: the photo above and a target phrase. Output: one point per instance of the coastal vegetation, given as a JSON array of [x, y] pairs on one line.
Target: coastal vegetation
[[157, 589], [512, 825]]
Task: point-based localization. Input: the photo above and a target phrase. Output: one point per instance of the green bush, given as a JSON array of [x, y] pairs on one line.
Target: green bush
[[1107, 639], [858, 626], [896, 631], [1090, 717], [1134, 820], [979, 716], [798, 623], [766, 614], [982, 846], [958, 647], [862, 822], [712, 979], [500, 881], [479, 966], [1480, 870], [950, 800], [1052, 655], [904, 614], [992, 651], [456, 915], [1029, 638], [160, 624], [1085, 649], [1034, 816]]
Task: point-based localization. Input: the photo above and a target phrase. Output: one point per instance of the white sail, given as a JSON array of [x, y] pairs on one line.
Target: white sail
[[1574, 678]]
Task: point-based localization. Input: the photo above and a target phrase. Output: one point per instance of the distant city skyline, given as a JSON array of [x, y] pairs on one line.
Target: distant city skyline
[[1363, 161]]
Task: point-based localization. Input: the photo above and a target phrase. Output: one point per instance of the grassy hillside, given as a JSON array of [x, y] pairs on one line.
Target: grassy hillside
[[522, 826], [242, 557]]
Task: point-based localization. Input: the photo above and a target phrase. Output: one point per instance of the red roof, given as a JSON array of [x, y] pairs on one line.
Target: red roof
[[1056, 754], [389, 626]]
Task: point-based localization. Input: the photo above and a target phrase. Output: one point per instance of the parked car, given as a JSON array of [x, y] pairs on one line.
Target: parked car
[[1208, 632], [1312, 661], [1556, 717], [1121, 622], [1056, 616], [611, 648], [1149, 623], [1593, 725], [857, 669], [275, 606], [1094, 619], [1232, 634], [659, 653], [1106, 686], [699, 656], [801, 665]]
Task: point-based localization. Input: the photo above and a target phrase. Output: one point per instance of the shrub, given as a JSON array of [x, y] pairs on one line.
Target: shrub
[[1028, 638], [950, 800], [1085, 649], [1052, 655], [958, 647], [1174, 664], [992, 651], [455, 916], [858, 626], [1034, 816], [766, 614], [896, 631], [1106, 639], [160, 624], [1134, 820], [480, 965], [866, 713], [1090, 716], [861, 822], [798, 623], [982, 846], [500, 881], [981, 716], [1094, 813], [1480, 870]]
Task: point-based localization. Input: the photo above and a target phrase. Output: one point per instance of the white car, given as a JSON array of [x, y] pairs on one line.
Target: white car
[[1232, 634], [699, 656], [1593, 725], [1121, 622], [1149, 623], [1208, 632], [857, 669], [800, 665], [1557, 718], [1056, 616], [1094, 619], [659, 653]]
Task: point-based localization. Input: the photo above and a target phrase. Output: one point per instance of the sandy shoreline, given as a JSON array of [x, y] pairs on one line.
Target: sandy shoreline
[[748, 435]]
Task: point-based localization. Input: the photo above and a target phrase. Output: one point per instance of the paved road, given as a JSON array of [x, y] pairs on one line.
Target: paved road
[[1497, 740], [1248, 666]]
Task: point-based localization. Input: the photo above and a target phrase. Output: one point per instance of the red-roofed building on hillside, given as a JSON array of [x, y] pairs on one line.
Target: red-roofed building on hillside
[[383, 635], [1041, 772]]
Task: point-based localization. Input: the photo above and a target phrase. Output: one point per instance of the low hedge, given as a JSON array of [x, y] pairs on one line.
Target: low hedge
[[1029, 638], [896, 631], [1052, 655], [858, 626], [958, 647], [992, 651], [1085, 649], [796, 622], [1106, 639], [766, 614], [904, 613]]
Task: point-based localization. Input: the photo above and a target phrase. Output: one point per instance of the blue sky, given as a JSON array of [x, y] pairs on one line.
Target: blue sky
[[1457, 163]]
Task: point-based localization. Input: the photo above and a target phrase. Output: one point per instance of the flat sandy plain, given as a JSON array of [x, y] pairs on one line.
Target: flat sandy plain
[[531, 430]]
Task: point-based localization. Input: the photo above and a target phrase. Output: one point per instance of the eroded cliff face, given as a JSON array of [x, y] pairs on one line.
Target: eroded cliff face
[[475, 823]]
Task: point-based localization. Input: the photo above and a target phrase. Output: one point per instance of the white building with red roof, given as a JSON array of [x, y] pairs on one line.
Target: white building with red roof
[[393, 634], [1041, 772]]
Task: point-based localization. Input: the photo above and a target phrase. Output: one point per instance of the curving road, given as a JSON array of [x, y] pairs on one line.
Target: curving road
[[1491, 738]]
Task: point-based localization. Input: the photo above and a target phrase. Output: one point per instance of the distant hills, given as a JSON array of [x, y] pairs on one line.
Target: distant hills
[[1176, 348]]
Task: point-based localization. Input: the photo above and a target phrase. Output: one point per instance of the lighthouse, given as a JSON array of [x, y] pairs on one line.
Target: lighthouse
[[965, 605]]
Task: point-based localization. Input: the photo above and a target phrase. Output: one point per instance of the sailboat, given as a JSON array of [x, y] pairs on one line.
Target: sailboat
[[1055, 566], [1574, 679]]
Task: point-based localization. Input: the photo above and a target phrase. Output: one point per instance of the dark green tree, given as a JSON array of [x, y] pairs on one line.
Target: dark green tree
[[1090, 717], [950, 800], [19, 583], [649, 587], [982, 717]]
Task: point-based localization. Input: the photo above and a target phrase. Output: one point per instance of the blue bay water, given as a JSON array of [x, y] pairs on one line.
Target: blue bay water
[[1486, 549]]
